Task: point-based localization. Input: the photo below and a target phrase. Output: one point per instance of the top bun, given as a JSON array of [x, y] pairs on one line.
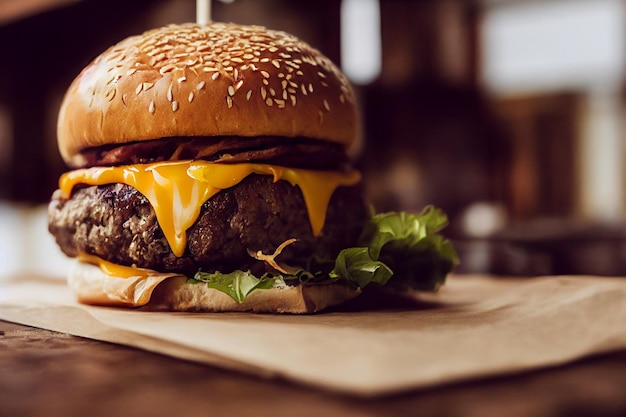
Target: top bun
[[206, 80]]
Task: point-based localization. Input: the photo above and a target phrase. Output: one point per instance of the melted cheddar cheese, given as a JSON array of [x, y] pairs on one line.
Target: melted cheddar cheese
[[114, 270], [177, 190]]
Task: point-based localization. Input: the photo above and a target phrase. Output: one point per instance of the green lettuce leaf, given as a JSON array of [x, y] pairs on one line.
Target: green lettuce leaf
[[408, 247], [398, 250], [356, 265], [237, 284]]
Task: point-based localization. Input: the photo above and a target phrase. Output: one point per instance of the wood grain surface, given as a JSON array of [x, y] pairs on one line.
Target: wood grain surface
[[44, 373]]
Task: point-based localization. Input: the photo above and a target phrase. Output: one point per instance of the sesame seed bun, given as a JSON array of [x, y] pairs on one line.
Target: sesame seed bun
[[206, 80]]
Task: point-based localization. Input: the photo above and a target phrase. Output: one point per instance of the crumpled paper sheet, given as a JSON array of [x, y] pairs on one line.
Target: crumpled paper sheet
[[476, 326]]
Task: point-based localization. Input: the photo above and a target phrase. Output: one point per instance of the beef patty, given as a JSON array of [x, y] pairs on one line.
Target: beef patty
[[118, 224]]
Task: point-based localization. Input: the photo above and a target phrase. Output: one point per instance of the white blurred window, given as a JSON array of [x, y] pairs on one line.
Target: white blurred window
[[26, 247], [554, 44], [361, 44]]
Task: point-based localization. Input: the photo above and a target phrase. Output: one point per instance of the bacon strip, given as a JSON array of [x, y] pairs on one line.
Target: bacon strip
[[300, 152]]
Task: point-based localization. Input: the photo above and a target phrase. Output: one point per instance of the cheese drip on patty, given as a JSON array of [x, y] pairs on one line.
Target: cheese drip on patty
[[177, 190]]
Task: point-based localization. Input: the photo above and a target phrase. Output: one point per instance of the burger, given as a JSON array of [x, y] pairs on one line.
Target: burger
[[211, 171]]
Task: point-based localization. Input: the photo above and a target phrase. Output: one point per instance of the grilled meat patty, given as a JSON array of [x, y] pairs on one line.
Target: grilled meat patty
[[117, 223]]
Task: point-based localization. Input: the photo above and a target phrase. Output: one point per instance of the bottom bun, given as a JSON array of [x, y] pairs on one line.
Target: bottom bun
[[174, 293], [178, 295]]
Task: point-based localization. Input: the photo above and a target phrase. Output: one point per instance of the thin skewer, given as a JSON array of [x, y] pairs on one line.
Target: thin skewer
[[203, 11]]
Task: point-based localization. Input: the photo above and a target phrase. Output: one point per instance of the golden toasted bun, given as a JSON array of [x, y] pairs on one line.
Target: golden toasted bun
[[174, 293], [206, 80]]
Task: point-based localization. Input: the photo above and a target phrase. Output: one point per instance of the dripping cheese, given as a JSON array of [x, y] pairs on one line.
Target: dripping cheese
[[177, 190]]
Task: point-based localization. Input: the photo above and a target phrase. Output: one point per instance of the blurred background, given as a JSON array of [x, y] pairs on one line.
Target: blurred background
[[507, 114]]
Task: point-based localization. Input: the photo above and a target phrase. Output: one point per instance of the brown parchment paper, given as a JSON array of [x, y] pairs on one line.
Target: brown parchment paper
[[476, 326]]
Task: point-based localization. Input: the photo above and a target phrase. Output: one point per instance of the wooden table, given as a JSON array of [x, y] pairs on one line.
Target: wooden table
[[44, 373]]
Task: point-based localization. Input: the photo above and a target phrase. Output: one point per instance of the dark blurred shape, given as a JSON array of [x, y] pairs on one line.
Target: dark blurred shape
[[42, 54], [553, 246], [543, 131], [442, 135], [431, 134]]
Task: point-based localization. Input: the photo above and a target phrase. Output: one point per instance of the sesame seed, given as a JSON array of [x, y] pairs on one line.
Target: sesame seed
[[238, 85], [276, 63], [265, 74], [293, 100], [174, 105], [152, 107], [110, 94], [231, 90], [342, 98], [139, 88], [215, 75], [272, 92], [248, 95], [191, 96], [303, 88], [181, 79], [124, 99], [265, 60], [229, 101], [310, 88], [265, 82], [326, 105], [269, 102], [263, 93], [321, 74], [280, 103], [166, 68], [170, 95], [200, 85], [146, 86], [324, 83]]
